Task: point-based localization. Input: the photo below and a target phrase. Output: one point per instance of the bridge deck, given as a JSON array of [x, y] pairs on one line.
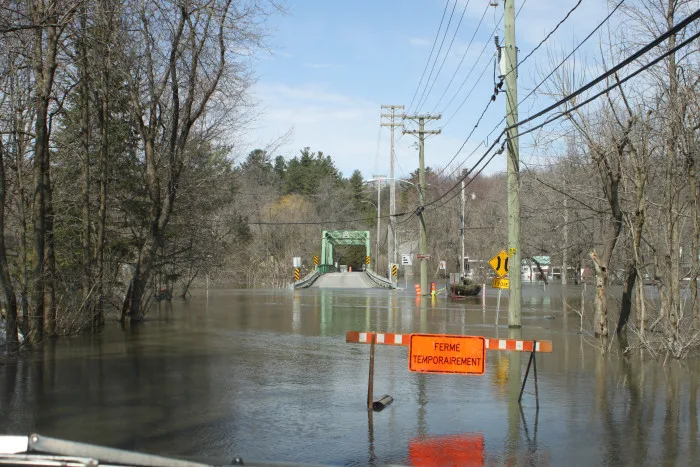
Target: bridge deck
[[344, 280]]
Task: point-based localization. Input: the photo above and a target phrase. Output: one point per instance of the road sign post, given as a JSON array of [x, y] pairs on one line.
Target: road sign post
[[499, 263]]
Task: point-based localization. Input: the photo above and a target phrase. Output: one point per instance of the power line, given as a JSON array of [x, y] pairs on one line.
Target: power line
[[496, 90], [541, 82], [519, 63], [454, 75], [333, 221], [605, 20], [444, 12], [471, 70], [444, 59], [684, 23], [444, 36], [617, 83], [548, 35]]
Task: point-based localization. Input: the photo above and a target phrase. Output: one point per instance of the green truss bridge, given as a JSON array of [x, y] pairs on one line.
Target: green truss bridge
[[325, 274]]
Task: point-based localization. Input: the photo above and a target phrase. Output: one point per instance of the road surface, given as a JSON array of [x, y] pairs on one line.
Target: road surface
[[344, 280]]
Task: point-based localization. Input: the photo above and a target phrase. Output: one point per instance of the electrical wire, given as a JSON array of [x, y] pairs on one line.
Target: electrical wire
[[548, 35], [656, 42], [684, 23], [444, 36], [454, 75], [491, 100], [444, 59], [471, 70], [522, 61], [444, 12], [600, 25], [617, 83], [673, 30]]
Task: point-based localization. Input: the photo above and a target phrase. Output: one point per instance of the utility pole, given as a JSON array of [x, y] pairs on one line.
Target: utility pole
[[513, 165], [421, 132], [461, 234], [378, 179], [393, 253]]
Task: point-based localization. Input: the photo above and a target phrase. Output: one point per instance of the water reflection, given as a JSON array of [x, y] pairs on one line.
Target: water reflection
[[439, 451], [268, 375]]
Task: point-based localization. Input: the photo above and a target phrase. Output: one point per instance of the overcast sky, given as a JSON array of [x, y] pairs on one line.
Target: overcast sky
[[332, 64]]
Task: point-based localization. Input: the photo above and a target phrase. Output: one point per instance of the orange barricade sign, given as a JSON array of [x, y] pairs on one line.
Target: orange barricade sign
[[437, 353]]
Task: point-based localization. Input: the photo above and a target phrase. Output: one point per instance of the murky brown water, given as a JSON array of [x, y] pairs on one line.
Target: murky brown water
[[267, 375]]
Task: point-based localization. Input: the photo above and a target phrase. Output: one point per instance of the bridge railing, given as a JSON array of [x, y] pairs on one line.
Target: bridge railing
[[307, 280], [326, 268], [379, 280]]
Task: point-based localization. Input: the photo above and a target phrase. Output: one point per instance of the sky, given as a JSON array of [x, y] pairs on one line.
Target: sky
[[331, 64]]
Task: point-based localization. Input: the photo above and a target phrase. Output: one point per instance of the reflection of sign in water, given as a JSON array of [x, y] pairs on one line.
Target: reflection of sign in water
[[466, 449], [435, 353]]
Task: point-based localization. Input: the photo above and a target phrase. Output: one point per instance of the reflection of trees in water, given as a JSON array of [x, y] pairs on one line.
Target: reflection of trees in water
[[693, 403], [671, 415], [633, 434]]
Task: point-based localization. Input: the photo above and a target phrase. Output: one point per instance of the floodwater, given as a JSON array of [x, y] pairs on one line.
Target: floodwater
[[266, 375]]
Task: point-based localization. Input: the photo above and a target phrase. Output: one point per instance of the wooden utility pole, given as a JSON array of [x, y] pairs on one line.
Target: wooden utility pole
[[513, 165], [378, 179], [421, 132], [461, 235], [393, 253]]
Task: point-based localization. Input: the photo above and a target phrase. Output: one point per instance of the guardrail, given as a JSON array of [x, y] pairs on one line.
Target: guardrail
[[379, 280], [309, 279]]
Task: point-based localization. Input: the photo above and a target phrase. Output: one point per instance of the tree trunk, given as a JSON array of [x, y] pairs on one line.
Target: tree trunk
[[84, 96], [44, 66], [672, 219], [132, 307], [21, 125], [5, 281], [50, 304], [104, 119], [694, 246], [601, 302], [633, 266], [627, 292], [41, 140]]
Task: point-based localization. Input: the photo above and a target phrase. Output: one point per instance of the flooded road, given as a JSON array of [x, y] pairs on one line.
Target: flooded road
[[267, 375]]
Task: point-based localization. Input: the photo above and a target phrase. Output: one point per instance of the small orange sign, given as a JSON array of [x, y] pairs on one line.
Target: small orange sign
[[439, 353]]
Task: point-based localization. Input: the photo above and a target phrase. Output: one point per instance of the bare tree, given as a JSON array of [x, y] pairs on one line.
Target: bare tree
[[186, 50]]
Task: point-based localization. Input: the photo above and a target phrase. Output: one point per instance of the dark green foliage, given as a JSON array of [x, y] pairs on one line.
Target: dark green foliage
[[305, 174]]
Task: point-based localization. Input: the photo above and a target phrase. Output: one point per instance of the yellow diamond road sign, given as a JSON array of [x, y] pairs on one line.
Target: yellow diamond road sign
[[499, 263]]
